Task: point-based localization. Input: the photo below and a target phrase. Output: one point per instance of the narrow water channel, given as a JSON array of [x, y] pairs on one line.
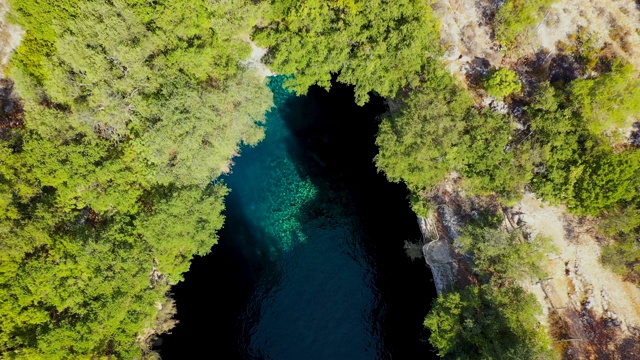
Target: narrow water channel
[[310, 263]]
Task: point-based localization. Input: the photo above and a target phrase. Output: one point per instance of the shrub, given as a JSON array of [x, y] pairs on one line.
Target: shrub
[[502, 82]]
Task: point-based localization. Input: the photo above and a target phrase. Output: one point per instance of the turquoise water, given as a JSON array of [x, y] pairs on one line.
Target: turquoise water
[[269, 187], [310, 263], [312, 243]]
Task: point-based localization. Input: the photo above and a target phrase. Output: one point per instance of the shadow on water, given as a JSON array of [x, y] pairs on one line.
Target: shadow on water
[[215, 291], [310, 263], [339, 141]]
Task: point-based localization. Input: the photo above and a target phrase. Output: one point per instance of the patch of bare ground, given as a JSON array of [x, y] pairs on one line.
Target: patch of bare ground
[[465, 35], [10, 37], [594, 313], [613, 22], [254, 62]]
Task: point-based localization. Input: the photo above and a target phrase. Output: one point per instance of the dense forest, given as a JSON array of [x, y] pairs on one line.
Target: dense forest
[[129, 111]]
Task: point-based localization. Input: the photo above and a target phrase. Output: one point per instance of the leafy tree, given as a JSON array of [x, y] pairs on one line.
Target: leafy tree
[[502, 82], [196, 97], [173, 245], [376, 45], [438, 130], [608, 102], [620, 220], [623, 253], [606, 179], [483, 322], [39, 17], [415, 141], [562, 141], [576, 167], [484, 158], [505, 256]]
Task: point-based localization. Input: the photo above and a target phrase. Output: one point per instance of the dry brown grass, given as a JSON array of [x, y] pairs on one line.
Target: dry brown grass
[[586, 295]]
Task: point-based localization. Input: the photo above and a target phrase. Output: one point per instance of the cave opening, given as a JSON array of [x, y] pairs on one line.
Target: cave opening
[[310, 263]]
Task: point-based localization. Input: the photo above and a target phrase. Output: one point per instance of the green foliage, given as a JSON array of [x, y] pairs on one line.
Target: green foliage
[[623, 254], [420, 206], [583, 47], [84, 291], [502, 82], [177, 84], [516, 17], [620, 221], [39, 18], [505, 256], [200, 218], [415, 141], [438, 130], [575, 167], [376, 45], [482, 322], [606, 179], [561, 140], [132, 109], [484, 158], [609, 101]]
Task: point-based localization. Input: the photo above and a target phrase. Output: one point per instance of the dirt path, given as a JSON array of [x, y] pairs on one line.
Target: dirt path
[[579, 287]]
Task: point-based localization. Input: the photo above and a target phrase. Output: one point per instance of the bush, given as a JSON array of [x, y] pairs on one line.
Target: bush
[[623, 254], [502, 256], [610, 101], [482, 322], [502, 82]]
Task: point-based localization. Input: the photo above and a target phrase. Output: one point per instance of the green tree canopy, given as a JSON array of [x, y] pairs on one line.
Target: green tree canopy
[[132, 108], [610, 101], [622, 224], [502, 82], [516, 18], [376, 45], [415, 141], [505, 256], [483, 322], [438, 130], [576, 166]]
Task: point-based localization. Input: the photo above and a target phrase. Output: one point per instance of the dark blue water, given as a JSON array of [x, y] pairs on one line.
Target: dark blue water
[[310, 263]]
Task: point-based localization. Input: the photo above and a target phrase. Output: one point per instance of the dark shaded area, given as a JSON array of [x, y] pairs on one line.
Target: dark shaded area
[[213, 295], [11, 110], [340, 135], [338, 139], [585, 335], [635, 135], [563, 68], [478, 70]]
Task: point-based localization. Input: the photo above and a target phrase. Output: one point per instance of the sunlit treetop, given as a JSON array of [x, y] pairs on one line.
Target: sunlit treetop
[[376, 45]]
